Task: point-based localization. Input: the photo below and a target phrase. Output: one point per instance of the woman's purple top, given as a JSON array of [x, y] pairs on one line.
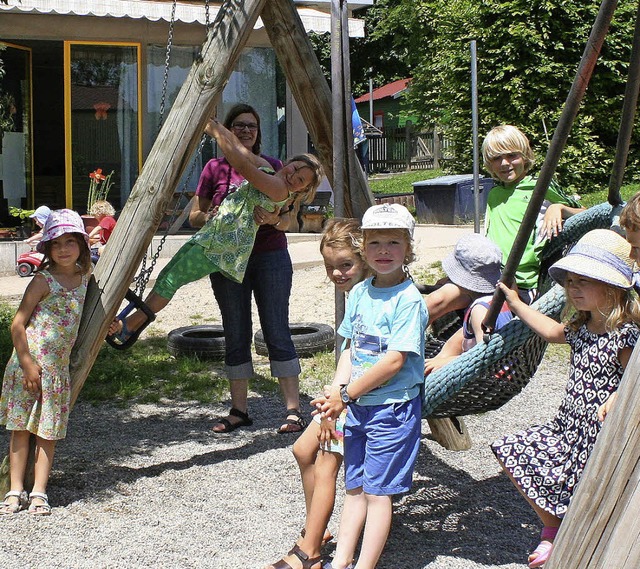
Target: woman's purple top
[[219, 179]]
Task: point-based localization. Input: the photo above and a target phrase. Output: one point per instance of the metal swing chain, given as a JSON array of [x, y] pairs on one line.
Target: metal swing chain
[[145, 272]]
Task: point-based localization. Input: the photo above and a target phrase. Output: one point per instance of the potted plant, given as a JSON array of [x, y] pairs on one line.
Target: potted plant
[[99, 187], [24, 215]]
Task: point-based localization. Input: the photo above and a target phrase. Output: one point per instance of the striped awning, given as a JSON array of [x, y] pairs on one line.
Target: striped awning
[[312, 19]]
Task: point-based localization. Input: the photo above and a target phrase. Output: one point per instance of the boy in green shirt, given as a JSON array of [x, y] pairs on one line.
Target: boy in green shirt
[[508, 158]]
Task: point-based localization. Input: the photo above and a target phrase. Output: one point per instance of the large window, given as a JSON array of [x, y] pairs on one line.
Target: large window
[[15, 129], [102, 118], [253, 81]]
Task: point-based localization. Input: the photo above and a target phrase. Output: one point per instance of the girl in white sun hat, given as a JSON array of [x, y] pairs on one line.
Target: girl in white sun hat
[[545, 462], [36, 390]]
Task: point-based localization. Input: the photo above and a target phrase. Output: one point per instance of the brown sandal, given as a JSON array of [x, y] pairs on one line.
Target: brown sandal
[[245, 421], [307, 562]]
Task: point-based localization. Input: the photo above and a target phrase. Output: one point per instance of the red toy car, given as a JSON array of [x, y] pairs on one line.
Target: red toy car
[[28, 263]]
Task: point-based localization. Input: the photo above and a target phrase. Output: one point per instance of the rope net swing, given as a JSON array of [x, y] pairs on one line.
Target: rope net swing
[[492, 373]]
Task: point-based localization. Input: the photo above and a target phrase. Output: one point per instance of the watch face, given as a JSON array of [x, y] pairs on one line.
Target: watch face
[[345, 396]]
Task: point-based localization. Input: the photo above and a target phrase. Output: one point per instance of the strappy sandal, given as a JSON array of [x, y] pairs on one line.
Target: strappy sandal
[[43, 509], [229, 427], [296, 425], [307, 562], [545, 547], [7, 507]]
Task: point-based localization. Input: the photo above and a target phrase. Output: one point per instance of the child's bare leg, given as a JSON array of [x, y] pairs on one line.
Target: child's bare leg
[[155, 302], [44, 461], [18, 457], [305, 451], [354, 514], [376, 530], [322, 501]]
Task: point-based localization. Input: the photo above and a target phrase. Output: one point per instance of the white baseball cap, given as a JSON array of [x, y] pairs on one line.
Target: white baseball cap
[[388, 216]]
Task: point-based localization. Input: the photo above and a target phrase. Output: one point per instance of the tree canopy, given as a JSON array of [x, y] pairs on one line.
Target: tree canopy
[[528, 53]]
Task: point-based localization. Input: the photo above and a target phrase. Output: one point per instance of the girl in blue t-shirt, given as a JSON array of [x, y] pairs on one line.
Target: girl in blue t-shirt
[[378, 379]]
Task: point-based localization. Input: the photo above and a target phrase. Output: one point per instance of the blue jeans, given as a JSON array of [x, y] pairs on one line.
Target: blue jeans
[[269, 277]]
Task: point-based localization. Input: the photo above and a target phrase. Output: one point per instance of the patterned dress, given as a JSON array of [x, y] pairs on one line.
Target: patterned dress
[[228, 238], [547, 460], [51, 333]]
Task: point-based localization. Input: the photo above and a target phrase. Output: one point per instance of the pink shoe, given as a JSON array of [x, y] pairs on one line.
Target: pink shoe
[[541, 554]]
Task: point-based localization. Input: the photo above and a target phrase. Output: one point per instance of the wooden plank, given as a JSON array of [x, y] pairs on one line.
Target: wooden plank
[[601, 527], [313, 96], [160, 175]]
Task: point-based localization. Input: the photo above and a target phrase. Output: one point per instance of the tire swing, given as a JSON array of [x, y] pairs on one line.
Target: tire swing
[[206, 342], [309, 338]]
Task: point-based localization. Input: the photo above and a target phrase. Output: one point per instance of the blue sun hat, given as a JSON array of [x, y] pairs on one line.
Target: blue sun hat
[[475, 264], [61, 221], [601, 255]]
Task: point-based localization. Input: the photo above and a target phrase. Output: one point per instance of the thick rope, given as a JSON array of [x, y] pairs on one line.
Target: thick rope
[[488, 375]]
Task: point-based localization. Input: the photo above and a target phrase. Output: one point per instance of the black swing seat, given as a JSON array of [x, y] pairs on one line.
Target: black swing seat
[[490, 374], [134, 302]]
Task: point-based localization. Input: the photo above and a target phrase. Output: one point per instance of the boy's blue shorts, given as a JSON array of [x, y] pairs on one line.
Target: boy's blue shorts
[[381, 445]]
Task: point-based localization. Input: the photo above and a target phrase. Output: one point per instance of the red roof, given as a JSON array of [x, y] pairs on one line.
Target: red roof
[[388, 90]]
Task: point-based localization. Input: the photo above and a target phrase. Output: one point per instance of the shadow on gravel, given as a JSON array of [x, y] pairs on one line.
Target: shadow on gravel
[[449, 513]]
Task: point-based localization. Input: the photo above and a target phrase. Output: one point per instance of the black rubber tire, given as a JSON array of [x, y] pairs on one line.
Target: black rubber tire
[[308, 338], [24, 269], [205, 342]]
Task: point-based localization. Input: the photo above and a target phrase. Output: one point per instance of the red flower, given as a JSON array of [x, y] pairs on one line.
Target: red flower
[[97, 175]]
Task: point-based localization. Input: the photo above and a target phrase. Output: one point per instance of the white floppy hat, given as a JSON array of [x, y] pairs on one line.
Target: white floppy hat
[[602, 255], [61, 221], [475, 264], [388, 216], [41, 214]]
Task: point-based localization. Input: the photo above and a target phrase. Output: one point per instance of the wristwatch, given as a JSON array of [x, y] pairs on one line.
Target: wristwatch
[[345, 396]]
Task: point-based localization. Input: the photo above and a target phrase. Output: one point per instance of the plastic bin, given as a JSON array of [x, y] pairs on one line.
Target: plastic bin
[[449, 200]]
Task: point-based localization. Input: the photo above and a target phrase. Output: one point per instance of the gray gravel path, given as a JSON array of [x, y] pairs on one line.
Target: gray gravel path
[[149, 486]]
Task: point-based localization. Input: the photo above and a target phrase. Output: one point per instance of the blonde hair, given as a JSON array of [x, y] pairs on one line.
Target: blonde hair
[[622, 307], [307, 195], [630, 216], [410, 257], [505, 139], [344, 234], [102, 208]]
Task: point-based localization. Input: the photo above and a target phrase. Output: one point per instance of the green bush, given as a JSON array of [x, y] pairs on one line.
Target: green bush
[[6, 345]]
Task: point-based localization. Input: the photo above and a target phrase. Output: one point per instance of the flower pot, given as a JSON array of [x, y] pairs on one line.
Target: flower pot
[[90, 222]]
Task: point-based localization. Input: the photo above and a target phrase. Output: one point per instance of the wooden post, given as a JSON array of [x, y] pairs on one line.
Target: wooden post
[[161, 173], [313, 96], [601, 527], [450, 433], [407, 144], [437, 150]]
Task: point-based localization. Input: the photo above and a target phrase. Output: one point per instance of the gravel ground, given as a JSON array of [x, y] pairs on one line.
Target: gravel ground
[[151, 486]]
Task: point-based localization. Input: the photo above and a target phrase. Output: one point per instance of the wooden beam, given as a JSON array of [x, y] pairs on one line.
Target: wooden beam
[[160, 175], [313, 96], [601, 527]]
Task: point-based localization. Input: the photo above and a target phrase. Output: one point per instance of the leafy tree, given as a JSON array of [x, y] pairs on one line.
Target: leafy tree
[[528, 52]]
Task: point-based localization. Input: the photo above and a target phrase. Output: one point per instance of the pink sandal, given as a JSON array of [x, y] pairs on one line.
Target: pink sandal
[[545, 547]]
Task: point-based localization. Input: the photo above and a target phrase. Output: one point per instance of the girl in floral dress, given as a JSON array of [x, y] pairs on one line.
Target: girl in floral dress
[[545, 462], [226, 240], [36, 390]]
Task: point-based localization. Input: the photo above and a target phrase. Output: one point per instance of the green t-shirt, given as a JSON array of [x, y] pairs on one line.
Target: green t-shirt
[[506, 206]]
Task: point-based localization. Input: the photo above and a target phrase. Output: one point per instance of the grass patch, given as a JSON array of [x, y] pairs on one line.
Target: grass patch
[[400, 183], [594, 198]]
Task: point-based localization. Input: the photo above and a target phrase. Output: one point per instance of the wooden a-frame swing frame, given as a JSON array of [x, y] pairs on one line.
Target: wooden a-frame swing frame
[[178, 139]]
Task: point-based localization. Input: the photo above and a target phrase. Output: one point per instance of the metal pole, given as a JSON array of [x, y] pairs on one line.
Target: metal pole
[[558, 141], [474, 130], [371, 96], [627, 119]]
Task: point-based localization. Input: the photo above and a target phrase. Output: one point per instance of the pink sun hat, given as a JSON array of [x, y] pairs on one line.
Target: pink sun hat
[[58, 223]]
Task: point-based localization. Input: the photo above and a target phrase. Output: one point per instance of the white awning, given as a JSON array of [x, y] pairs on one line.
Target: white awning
[[313, 20]]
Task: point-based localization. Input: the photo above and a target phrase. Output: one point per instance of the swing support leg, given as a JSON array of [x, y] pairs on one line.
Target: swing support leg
[[450, 433]]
